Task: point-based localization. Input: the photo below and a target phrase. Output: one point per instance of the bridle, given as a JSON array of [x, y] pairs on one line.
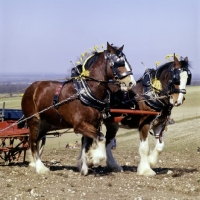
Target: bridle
[[117, 61], [175, 80]]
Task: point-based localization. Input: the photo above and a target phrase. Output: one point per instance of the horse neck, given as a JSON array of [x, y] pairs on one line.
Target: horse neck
[[98, 72], [97, 69], [164, 78], [138, 88]]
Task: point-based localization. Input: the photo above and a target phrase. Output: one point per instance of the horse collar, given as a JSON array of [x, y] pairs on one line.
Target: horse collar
[[88, 98]]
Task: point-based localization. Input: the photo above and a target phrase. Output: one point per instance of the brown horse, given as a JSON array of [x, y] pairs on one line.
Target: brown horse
[[158, 90], [79, 103]]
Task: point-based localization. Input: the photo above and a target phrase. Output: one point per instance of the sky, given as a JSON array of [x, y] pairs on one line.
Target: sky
[[43, 36]]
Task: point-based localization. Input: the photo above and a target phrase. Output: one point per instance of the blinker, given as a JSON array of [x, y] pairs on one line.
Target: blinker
[[117, 60], [176, 76], [189, 77]]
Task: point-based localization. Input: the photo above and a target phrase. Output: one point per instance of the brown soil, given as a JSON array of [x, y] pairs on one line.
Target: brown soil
[[178, 171]]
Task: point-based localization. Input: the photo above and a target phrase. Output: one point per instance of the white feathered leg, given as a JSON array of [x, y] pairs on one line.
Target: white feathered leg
[[82, 161], [153, 156], [30, 159], [93, 157], [97, 153], [144, 166], [159, 141]]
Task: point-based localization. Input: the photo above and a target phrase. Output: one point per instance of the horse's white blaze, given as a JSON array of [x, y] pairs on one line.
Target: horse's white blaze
[[131, 76], [183, 82], [40, 168], [153, 157], [144, 166], [98, 154], [111, 163]]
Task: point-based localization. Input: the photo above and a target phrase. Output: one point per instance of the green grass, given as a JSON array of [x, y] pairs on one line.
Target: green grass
[[10, 102]]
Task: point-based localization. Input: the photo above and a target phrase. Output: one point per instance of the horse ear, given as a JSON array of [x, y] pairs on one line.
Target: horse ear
[[186, 59], [121, 48], [176, 62], [110, 49]]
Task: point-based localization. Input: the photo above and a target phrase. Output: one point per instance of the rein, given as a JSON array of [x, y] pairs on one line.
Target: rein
[[71, 98]]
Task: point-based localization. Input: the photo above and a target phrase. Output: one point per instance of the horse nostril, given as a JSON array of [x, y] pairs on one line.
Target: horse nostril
[[131, 84]]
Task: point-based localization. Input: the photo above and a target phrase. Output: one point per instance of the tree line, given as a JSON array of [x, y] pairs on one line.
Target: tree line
[[13, 88], [20, 88]]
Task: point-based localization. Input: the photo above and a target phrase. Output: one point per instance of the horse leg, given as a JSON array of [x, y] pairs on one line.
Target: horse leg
[[92, 154], [38, 129], [82, 160], [153, 156], [31, 159], [93, 147], [144, 165], [111, 130], [43, 142]]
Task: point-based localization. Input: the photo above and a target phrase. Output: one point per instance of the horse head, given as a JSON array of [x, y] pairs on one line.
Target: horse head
[[121, 70], [181, 78], [176, 75]]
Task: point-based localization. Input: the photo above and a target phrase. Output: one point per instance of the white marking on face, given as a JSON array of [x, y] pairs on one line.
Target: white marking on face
[[131, 76], [183, 82]]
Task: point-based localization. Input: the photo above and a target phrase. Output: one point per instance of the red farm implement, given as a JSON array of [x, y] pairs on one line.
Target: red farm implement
[[13, 137]]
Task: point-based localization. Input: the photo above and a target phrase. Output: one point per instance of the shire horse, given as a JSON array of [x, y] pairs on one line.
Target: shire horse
[[158, 90], [79, 103]]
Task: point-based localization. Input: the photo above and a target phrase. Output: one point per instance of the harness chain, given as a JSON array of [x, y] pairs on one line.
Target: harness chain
[[73, 97]]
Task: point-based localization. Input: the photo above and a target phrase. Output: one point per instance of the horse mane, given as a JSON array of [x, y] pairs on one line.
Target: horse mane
[[162, 67], [87, 59], [184, 65], [91, 59]]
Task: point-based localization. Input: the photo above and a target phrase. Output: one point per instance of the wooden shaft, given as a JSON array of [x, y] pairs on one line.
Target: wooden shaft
[[134, 112]]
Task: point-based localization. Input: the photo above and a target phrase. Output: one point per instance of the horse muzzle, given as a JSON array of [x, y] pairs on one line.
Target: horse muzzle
[[179, 102], [128, 87]]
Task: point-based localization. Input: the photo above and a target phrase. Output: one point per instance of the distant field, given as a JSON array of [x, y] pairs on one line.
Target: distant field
[[191, 106], [192, 101], [10, 102]]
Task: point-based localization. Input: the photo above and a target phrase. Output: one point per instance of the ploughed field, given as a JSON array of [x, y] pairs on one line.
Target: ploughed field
[[177, 172]]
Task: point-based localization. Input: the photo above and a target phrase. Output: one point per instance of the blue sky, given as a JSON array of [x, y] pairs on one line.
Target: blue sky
[[43, 36]]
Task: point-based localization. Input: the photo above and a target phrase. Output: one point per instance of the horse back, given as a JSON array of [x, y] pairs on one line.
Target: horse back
[[39, 95]]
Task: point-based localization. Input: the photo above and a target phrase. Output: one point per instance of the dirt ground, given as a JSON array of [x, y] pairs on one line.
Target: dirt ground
[[177, 172]]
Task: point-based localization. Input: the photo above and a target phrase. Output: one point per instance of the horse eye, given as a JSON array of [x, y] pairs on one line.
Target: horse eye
[[120, 55]]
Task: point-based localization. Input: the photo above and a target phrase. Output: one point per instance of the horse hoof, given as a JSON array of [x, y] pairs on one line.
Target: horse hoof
[[44, 170], [84, 171], [148, 172], [32, 165], [118, 170]]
